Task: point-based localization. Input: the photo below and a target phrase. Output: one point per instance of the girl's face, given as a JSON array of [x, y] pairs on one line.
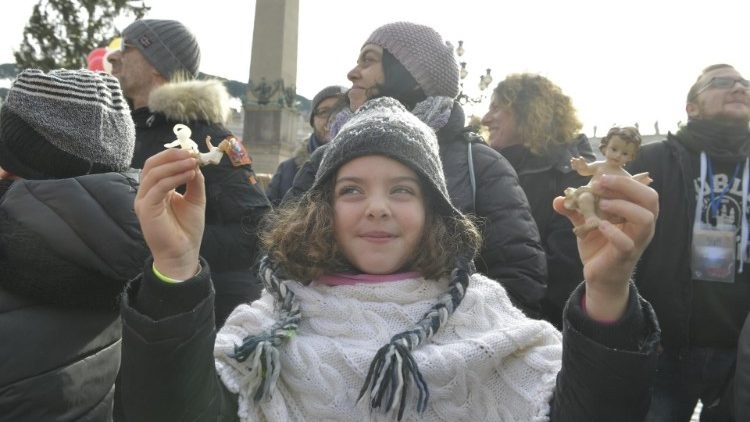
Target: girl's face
[[366, 75], [379, 214], [502, 127]]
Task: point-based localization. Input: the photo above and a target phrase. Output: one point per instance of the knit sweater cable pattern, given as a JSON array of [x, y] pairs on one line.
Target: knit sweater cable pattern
[[487, 362]]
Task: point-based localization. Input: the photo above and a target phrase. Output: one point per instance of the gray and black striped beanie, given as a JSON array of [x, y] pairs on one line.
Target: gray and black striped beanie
[[65, 123], [382, 126], [167, 44], [422, 51]]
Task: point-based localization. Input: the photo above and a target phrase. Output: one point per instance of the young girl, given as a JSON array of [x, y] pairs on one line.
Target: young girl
[[372, 309]]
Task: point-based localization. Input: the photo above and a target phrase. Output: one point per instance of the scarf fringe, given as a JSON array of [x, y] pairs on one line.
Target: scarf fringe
[[389, 376]]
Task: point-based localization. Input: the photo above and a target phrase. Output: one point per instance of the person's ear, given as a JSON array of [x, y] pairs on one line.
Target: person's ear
[[692, 109]]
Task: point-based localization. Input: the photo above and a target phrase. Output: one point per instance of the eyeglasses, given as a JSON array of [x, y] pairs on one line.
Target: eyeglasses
[[323, 113], [724, 82]]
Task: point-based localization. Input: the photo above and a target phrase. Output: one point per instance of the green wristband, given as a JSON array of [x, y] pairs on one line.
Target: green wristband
[[162, 277]]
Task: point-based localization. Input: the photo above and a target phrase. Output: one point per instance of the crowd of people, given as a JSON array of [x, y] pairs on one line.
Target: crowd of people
[[398, 267]]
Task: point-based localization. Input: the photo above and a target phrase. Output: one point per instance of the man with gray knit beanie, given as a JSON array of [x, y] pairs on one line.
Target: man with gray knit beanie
[[324, 105], [157, 66], [412, 63], [69, 241]]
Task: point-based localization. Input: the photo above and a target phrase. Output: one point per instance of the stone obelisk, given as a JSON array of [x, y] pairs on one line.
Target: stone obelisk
[[271, 121]]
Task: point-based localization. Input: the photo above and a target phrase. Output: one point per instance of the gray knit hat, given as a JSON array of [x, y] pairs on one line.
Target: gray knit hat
[[167, 44], [327, 92], [423, 53], [65, 123], [382, 126]]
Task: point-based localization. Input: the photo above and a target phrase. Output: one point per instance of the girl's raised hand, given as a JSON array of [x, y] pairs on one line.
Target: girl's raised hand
[[610, 253], [172, 223]]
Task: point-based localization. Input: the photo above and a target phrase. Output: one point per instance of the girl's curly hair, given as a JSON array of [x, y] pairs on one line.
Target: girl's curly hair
[[299, 238]]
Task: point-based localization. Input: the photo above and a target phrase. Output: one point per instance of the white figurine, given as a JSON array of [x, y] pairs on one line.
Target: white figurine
[[183, 139], [214, 154]]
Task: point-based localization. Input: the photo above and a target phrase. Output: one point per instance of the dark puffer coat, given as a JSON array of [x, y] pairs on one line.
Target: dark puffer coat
[[511, 252], [284, 177], [543, 177], [67, 248]]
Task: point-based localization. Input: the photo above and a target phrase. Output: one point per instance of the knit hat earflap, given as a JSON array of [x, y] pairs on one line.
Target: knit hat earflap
[[422, 51], [327, 92], [167, 44], [65, 123]]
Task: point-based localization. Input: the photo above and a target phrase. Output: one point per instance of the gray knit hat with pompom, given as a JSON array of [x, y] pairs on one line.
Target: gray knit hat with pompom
[[422, 51]]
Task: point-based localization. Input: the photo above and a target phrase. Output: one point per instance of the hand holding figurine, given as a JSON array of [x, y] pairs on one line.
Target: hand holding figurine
[[172, 223], [610, 253]]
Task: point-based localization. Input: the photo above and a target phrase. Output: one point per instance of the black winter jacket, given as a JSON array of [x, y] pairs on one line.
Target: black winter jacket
[[742, 375], [235, 202], [543, 177], [284, 177], [511, 252], [67, 248], [667, 259], [605, 375]]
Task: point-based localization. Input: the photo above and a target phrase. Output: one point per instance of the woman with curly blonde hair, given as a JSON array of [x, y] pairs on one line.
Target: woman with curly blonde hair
[[534, 125]]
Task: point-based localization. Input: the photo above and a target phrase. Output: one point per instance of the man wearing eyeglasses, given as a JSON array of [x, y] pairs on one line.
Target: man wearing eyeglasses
[[699, 254], [157, 67], [323, 104]]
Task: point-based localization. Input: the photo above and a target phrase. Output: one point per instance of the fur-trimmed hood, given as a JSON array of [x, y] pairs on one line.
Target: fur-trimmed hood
[[194, 100]]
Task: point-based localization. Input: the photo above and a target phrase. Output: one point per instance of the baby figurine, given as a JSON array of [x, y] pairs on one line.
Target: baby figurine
[[619, 147], [214, 154], [183, 138]]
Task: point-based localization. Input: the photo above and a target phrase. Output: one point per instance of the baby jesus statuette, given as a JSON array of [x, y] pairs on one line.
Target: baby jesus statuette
[[183, 141], [619, 147]]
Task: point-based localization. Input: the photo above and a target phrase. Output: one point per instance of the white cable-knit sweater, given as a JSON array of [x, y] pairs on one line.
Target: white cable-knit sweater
[[487, 363]]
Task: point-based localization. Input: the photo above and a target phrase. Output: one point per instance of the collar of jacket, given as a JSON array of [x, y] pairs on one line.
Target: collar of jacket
[[188, 101], [525, 162], [304, 151], [456, 123]]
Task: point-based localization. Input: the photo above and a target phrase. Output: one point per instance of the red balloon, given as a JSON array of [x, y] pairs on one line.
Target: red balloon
[[97, 53], [97, 64]]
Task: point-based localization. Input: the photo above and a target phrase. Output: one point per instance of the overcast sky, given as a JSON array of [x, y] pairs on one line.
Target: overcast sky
[[620, 61]]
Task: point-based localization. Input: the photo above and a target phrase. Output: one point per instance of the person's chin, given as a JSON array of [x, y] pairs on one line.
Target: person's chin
[[735, 117]]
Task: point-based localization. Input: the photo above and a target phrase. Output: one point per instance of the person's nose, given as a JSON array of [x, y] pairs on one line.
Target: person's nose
[[487, 118], [353, 74], [377, 207], [738, 87]]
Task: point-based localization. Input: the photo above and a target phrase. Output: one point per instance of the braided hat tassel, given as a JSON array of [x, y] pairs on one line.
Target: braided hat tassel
[[262, 350]]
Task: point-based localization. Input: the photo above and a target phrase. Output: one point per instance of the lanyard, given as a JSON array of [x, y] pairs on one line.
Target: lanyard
[[715, 200], [714, 206]]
